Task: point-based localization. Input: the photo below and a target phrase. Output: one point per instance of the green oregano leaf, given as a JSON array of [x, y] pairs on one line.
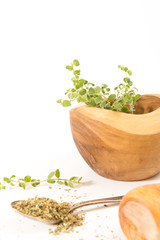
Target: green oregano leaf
[[66, 103], [75, 62], [82, 91], [74, 179], [6, 179], [70, 184], [98, 99], [97, 89], [51, 175], [51, 181], [79, 179], [13, 176], [70, 68], [111, 97], [66, 183], [91, 91], [27, 178], [77, 72], [57, 173], [60, 182], [124, 109], [22, 185], [137, 97], [35, 182]]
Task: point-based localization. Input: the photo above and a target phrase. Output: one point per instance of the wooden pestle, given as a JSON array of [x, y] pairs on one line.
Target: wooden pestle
[[139, 213]]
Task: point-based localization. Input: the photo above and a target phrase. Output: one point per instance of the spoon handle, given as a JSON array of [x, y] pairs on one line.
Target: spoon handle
[[96, 201]]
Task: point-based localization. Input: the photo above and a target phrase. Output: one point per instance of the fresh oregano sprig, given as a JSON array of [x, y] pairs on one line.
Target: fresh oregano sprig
[[123, 99], [53, 177]]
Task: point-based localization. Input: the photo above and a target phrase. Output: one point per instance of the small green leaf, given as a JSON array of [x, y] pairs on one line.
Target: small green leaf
[[3, 187], [79, 179], [137, 97], [103, 104], [66, 183], [73, 90], [59, 101], [22, 185], [51, 175], [122, 68], [91, 91], [57, 173], [125, 69], [21, 179], [92, 102], [66, 103], [51, 181], [108, 89], [79, 99], [35, 182], [60, 182], [74, 179], [111, 97], [6, 179], [76, 72], [77, 86], [129, 72], [70, 184], [27, 178], [104, 85], [70, 68], [124, 109], [76, 62], [72, 95], [97, 89], [13, 176], [82, 91], [12, 184], [98, 99], [127, 80]]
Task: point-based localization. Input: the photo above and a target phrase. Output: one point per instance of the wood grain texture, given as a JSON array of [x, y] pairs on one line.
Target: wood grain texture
[[117, 145], [139, 213]]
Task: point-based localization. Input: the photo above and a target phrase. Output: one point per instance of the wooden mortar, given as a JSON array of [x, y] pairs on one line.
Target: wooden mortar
[[139, 213], [118, 145]]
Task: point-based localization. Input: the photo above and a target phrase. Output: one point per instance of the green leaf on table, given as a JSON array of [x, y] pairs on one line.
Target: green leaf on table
[[73, 179], [27, 178], [70, 184], [57, 173], [6, 179], [51, 181], [51, 175], [22, 185], [79, 179], [35, 182]]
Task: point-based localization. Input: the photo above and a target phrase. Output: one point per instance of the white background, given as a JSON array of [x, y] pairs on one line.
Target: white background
[[37, 40]]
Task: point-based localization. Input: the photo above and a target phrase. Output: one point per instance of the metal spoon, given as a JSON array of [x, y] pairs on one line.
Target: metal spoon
[[110, 200]]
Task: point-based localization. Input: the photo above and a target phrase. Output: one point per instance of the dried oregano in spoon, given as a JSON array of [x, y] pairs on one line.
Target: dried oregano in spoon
[[53, 177], [49, 210], [122, 99]]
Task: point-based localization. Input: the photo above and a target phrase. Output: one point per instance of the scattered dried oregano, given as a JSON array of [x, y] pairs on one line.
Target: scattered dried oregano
[[48, 209]]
